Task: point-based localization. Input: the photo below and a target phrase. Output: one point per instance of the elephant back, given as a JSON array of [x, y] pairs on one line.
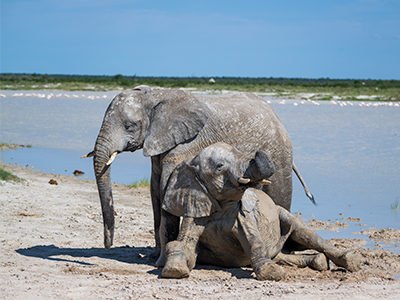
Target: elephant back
[[248, 123]]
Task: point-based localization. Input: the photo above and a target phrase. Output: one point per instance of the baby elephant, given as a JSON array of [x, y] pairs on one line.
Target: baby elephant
[[228, 222]]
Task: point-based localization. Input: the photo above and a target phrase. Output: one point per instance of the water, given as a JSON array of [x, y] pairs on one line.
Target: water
[[349, 156], [127, 167]]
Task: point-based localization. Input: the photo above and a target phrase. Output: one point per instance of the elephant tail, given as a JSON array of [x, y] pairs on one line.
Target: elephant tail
[[309, 195]]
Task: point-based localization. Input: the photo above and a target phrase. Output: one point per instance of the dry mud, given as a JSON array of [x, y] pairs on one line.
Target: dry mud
[[51, 248]]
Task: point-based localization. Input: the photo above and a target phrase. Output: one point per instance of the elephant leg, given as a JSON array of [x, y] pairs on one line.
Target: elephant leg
[[318, 261], [168, 231], [169, 224], [255, 248], [155, 190], [181, 254], [304, 235]]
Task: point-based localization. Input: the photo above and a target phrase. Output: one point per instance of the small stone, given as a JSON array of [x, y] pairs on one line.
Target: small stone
[[52, 181], [77, 172]]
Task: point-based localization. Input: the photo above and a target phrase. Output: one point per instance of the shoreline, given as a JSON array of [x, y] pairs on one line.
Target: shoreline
[[272, 95], [51, 247], [345, 88]]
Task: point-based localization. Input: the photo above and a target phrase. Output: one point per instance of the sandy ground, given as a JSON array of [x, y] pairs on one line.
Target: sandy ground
[[51, 248]]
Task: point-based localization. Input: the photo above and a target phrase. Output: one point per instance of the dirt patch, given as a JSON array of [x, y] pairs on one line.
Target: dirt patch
[[326, 225], [51, 247], [387, 235], [27, 215]]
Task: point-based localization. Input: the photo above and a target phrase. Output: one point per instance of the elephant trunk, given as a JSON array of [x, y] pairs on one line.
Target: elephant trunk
[[102, 154]]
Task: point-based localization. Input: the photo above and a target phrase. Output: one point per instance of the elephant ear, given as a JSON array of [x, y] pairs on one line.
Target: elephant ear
[[177, 118], [187, 196], [249, 200], [261, 167], [142, 88]]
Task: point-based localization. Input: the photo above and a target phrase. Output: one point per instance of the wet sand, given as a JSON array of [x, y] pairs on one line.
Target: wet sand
[[51, 247]]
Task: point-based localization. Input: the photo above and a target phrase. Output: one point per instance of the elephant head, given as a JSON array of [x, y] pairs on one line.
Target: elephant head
[[156, 121], [218, 173]]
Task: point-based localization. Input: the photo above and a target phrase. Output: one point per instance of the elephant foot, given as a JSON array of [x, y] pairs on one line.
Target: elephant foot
[[349, 260], [160, 261], [176, 265], [270, 271], [155, 255], [319, 262], [175, 271]]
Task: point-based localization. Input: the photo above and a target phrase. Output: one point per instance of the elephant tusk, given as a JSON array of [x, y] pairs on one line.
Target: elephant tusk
[[265, 182], [113, 156], [244, 180], [90, 154]]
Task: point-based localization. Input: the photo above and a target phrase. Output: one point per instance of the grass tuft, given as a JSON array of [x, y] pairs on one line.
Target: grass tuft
[[140, 183], [8, 176], [395, 204]]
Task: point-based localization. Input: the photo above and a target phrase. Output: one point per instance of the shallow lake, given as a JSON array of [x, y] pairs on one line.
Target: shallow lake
[[348, 155]]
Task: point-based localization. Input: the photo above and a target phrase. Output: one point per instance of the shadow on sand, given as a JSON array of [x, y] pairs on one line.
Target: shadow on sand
[[125, 254]]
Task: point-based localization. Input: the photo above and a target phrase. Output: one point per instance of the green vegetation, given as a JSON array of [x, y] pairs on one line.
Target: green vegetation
[[12, 146], [140, 183], [326, 88], [7, 176], [395, 204], [9, 146]]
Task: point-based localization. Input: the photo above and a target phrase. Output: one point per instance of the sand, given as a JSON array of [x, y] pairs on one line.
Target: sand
[[51, 247]]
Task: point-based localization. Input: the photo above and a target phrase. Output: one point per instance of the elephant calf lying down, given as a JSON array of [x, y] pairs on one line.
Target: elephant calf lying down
[[228, 223]]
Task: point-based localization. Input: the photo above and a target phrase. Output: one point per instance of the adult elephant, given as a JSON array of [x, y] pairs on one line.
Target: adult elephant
[[173, 125]]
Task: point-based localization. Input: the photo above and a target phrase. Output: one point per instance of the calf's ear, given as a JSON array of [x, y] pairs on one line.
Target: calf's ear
[[186, 195], [260, 167]]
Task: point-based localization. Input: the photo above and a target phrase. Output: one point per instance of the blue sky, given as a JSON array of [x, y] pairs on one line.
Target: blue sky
[[263, 38]]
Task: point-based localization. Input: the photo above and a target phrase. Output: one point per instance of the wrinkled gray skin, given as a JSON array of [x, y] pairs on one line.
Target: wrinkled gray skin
[[172, 126], [231, 224]]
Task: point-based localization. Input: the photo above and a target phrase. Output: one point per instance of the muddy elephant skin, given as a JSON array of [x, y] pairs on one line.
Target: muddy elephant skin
[[229, 223]]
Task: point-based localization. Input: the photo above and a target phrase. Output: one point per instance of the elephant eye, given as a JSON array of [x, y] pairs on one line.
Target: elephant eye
[[130, 126], [218, 167]]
